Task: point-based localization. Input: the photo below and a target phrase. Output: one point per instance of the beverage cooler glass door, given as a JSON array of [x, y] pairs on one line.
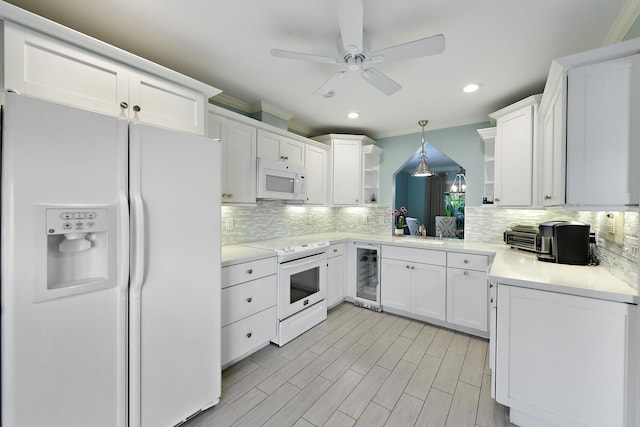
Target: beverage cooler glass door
[[368, 277]]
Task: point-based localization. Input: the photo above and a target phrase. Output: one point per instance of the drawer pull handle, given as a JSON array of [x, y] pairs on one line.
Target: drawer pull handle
[[249, 334], [250, 271], [249, 299]]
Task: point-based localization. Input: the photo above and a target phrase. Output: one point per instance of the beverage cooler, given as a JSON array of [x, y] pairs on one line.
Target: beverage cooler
[[367, 276]]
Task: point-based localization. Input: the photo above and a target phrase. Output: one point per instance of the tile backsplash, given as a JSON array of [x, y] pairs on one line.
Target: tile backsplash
[[486, 224], [276, 219], [270, 219]]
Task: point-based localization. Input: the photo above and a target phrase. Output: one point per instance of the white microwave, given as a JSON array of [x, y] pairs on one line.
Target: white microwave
[[278, 180]]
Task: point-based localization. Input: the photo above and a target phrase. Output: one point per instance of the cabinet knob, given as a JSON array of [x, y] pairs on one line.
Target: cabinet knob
[[412, 267], [547, 197], [124, 105], [335, 250], [230, 195], [491, 300], [490, 285], [249, 334], [225, 195], [466, 261], [466, 273], [250, 271], [408, 267], [496, 199], [249, 299], [137, 108]]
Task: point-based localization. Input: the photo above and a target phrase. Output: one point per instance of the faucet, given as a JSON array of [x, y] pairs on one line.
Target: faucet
[[422, 230]]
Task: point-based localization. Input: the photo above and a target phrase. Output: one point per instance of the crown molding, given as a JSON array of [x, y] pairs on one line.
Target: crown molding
[[621, 26], [265, 107], [232, 102]]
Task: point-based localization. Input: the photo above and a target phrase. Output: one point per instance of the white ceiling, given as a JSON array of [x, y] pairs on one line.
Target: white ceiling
[[506, 45]]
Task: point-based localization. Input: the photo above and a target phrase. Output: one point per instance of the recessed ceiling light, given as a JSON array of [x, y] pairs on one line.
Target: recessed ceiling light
[[471, 87], [353, 115]]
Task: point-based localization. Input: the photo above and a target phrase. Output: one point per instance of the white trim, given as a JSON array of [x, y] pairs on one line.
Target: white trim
[[271, 109], [628, 15]]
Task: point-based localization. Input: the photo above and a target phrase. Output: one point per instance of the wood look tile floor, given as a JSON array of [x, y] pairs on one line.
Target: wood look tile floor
[[362, 368]]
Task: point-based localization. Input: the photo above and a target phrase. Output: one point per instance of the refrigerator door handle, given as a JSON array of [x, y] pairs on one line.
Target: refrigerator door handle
[[137, 222]]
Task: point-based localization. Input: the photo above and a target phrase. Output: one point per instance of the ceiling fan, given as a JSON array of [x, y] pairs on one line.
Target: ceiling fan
[[353, 54]]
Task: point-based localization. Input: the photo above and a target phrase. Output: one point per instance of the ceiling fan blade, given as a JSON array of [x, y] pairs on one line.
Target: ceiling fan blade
[[350, 17], [327, 87], [415, 49], [380, 81], [303, 56]]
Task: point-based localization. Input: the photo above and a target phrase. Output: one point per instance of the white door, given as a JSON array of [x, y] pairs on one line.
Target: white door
[[467, 294], [316, 164], [175, 283], [395, 284], [64, 355], [347, 167]]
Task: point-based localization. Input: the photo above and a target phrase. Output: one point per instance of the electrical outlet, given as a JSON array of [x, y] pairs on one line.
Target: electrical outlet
[[228, 223], [612, 227]]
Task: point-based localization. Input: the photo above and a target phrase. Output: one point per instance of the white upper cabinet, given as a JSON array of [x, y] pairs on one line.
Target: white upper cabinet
[[278, 147], [590, 129], [238, 158], [516, 134], [47, 67], [354, 169], [603, 133], [317, 180], [554, 147]]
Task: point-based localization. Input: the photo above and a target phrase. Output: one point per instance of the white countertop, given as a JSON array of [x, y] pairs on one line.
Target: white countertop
[[510, 266], [236, 254]]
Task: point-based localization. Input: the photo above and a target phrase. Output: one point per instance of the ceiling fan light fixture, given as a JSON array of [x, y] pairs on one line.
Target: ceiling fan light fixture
[[471, 87], [422, 170]]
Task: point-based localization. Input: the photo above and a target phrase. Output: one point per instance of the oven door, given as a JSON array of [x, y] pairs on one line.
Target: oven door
[[301, 283]]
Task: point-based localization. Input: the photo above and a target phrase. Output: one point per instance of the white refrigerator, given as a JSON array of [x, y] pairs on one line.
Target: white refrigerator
[[110, 281]]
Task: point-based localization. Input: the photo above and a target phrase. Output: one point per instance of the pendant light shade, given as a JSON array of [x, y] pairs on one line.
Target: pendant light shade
[[423, 169], [459, 184]]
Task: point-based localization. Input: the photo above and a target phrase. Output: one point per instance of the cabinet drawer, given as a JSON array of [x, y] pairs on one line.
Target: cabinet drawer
[[239, 273], [467, 261], [249, 298], [336, 249], [424, 256], [248, 334]]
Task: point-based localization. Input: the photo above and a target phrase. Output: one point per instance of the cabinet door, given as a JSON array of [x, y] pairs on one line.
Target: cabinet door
[[347, 166], [268, 146], [395, 285], [554, 150], [562, 358], [514, 158], [160, 102], [428, 290], [335, 280], [603, 132], [316, 161], [238, 158], [293, 151], [49, 69], [467, 293]]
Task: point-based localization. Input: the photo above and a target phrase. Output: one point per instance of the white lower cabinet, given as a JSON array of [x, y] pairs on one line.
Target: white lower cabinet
[[413, 281], [563, 360], [467, 291], [249, 312], [336, 273]]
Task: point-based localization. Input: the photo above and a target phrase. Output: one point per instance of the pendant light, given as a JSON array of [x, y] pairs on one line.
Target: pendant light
[[459, 184], [423, 169]]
